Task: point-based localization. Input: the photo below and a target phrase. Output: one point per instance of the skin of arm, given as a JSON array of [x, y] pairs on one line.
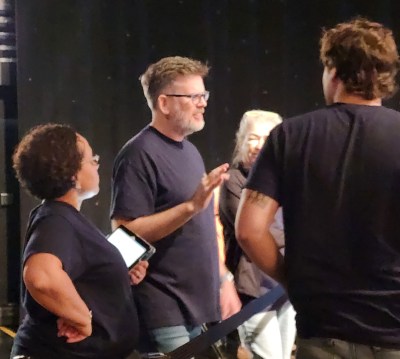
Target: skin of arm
[[229, 299], [157, 226], [255, 214], [53, 289]]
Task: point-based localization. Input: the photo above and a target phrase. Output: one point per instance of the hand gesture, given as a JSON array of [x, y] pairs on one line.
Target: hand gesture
[[208, 183]]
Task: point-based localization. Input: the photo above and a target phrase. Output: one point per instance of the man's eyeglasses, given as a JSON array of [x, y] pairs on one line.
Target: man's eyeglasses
[[95, 160], [196, 97]]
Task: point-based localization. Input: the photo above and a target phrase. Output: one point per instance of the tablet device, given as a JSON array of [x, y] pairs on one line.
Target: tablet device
[[131, 246]]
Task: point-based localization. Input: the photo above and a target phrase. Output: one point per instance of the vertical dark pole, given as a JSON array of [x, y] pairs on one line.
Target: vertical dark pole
[[9, 192]]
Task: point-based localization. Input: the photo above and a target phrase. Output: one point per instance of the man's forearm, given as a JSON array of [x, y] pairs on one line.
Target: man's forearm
[[255, 215], [159, 225]]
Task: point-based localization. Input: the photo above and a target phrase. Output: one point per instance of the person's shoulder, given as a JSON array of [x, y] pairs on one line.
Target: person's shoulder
[[140, 140], [137, 146], [297, 120], [61, 211], [389, 112], [301, 124], [58, 215]]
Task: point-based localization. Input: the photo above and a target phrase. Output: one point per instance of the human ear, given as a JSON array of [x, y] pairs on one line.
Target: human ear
[[163, 104], [76, 183]]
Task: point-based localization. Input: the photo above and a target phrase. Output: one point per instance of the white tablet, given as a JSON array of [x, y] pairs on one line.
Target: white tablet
[[132, 247]]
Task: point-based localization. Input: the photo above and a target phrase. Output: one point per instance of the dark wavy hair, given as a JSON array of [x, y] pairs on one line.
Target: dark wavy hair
[[365, 56], [47, 159]]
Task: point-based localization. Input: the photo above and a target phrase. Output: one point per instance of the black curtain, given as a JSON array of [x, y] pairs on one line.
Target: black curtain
[[79, 63]]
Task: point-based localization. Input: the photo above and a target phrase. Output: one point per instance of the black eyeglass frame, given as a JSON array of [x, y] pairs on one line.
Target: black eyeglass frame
[[205, 95]]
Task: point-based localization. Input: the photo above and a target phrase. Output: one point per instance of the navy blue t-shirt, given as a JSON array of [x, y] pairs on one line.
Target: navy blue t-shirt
[[336, 172], [153, 173], [100, 276]]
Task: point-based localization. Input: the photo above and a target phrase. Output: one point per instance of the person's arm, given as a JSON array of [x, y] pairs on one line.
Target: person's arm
[[255, 214], [229, 299], [157, 226], [228, 202], [53, 289]]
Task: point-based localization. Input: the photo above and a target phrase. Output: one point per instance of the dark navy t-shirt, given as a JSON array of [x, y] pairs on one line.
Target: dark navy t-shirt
[[153, 173], [100, 276], [336, 172]]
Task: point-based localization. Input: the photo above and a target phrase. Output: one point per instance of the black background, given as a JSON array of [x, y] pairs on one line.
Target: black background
[[79, 63]]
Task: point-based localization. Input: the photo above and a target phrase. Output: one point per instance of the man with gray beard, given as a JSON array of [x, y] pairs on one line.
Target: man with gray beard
[[161, 192]]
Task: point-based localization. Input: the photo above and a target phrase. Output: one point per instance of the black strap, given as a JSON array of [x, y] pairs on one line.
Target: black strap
[[219, 331]]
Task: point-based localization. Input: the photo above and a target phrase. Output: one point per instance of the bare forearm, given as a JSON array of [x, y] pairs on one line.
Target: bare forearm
[[255, 214], [159, 225], [266, 255], [55, 291]]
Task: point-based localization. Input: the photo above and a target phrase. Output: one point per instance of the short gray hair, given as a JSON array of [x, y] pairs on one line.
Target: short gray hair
[[162, 73]]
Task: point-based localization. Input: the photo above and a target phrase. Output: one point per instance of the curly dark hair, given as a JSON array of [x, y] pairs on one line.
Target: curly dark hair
[[365, 56], [161, 74], [47, 159]]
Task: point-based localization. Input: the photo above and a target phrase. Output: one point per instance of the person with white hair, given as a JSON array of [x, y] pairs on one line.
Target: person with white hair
[[269, 334]]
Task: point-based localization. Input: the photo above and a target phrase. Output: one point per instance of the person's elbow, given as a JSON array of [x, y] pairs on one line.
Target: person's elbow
[[244, 232], [131, 224], [116, 222]]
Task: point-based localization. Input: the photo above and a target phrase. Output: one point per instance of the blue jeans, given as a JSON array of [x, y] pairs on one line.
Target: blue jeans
[[327, 348], [169, 338]]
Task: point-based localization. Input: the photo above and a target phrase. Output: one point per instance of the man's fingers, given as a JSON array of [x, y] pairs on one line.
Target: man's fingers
[[217, 176], [218, 171]]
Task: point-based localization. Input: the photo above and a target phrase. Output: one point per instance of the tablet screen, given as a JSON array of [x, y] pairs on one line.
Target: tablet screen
[[130, 249]]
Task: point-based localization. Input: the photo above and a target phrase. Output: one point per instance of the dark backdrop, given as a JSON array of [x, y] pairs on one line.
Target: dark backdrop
[[79, 63]]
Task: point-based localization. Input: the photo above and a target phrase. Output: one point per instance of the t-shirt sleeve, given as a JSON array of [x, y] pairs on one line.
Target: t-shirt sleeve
[[266, 174], [56, 235], [133, 188]]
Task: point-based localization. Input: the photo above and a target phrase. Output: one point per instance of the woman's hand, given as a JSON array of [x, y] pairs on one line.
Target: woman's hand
[[138, 272], [72, 331]]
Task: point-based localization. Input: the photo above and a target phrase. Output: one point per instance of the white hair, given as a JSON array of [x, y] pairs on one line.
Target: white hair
[[248, 119]]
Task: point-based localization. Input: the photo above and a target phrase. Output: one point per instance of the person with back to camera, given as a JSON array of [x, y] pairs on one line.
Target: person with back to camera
[[161, 192], [271, 333], [77, 292], [336, 173]]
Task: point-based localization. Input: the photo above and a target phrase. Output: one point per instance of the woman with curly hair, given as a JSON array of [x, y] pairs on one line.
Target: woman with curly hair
[[77, 292]]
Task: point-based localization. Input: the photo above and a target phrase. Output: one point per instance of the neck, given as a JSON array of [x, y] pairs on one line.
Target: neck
[[162, 124], [72, 198], [246, 165], [345, 97]]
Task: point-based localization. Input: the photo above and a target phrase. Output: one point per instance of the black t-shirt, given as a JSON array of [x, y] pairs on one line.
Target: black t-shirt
[[153, 173], [100, 276], [336, 172]]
